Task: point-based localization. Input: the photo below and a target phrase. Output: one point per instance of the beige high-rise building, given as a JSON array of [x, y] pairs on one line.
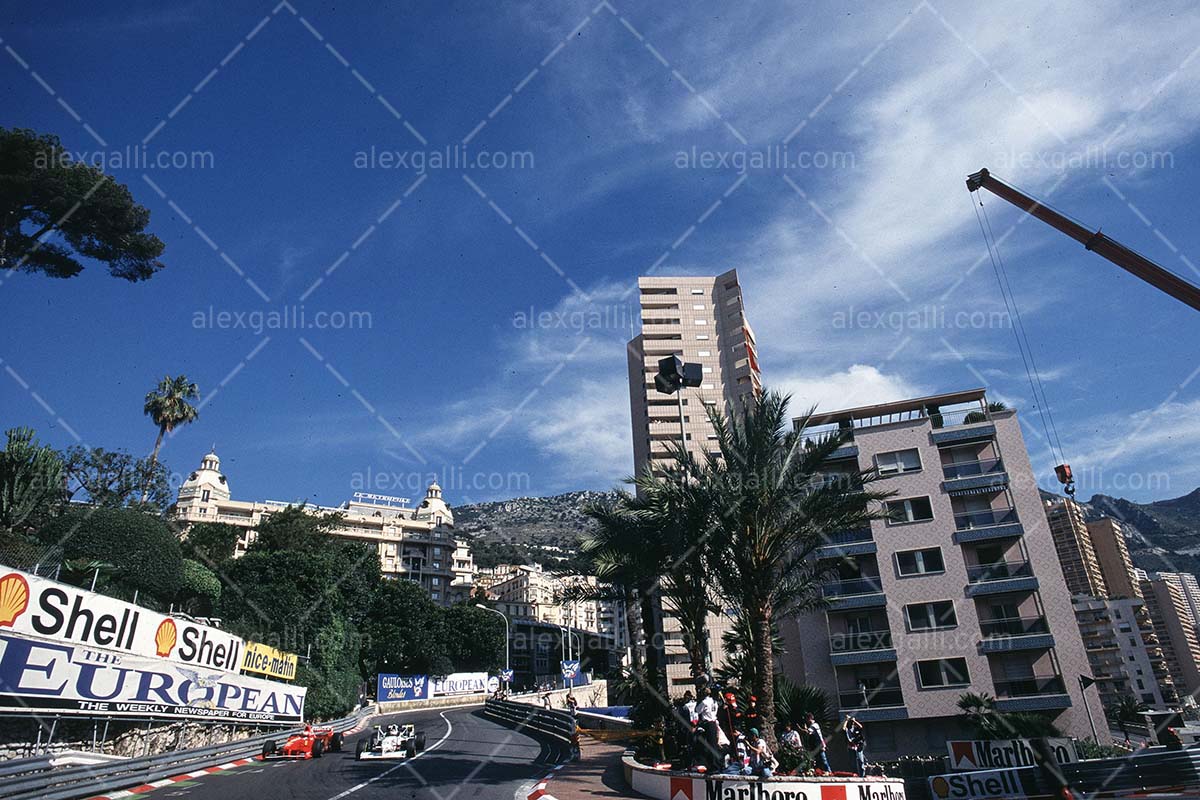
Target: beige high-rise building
[[1175, 624], [701, 320], [1080, 567], [1112, 553], [957, 590]]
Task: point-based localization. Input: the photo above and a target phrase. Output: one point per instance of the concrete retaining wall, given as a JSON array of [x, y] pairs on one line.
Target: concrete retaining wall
[[594, 694]]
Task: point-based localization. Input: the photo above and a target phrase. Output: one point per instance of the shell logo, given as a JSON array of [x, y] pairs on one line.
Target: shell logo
[[14, 598], [164, 637], [940, 786]]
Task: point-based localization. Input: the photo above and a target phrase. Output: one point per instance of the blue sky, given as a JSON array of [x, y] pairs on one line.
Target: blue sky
[[604, 115]]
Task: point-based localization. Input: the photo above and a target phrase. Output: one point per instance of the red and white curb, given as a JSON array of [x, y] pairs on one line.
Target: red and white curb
[[539, 789], [199, 773]]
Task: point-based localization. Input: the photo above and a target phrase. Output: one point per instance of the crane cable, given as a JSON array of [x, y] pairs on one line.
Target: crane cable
[[1036, 386]]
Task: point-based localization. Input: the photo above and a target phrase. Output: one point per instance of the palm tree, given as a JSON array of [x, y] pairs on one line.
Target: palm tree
[[989, 722], [777, 506], [1128, 709], [169, 408]]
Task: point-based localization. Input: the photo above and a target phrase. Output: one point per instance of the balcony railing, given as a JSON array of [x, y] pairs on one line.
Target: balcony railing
[[881, 697], [858, 642], [1014, 626], [969, 469], [852, 587], [968, 520], [1001, 571], [1031, 687], [848, 537]]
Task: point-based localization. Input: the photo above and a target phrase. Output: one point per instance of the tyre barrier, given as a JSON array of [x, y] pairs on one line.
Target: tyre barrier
[[86, 781]]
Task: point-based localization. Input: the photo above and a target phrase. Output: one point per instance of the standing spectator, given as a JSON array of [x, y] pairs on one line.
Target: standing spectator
[[762, 763], [706, 712], [739, 762], [546, 700], [753, 719], [689, 707], [791, 737], [815, 743], [731, 716], [572, 704], [856, 743]]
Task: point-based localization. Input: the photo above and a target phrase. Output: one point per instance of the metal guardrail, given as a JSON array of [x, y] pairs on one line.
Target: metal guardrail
[[557, 724], [72, 782]]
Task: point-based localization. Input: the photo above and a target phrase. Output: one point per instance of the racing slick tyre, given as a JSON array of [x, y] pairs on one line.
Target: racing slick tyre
[[335, 743], [318, 748], [410, 752], [268, 749], [419, 745], [359, 749]]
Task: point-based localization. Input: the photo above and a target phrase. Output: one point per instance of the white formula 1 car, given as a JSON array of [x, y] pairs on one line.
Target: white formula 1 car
[[390, 741]]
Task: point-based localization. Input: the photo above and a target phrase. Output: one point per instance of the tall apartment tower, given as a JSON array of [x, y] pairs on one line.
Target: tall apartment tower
[[1176, 627], [701, 320], [1080, 567], [1108, 543], [957, 590]]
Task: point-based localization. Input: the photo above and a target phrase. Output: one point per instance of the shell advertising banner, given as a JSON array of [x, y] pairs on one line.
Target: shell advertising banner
[[46, 609], [62, 677]]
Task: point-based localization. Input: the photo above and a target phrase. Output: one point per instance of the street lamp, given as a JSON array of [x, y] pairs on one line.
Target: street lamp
[[507, 643]]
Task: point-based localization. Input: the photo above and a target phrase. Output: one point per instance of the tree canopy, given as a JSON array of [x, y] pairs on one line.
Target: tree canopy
[[54, 210]]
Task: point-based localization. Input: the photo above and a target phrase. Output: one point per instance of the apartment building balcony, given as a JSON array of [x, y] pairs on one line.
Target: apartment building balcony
[[1010, 634], [980, 526], [971, 476], [863, 647], [879, 704], [1035, 693], [864, 592], [847, 543], [999, 578]]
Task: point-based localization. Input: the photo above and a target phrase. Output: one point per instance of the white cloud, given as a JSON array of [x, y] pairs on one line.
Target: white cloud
[[859, 385]]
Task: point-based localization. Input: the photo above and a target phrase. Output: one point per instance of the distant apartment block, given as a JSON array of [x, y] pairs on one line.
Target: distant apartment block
[[1175, 625], [1080, 567], [528, 592], [957, 590], [1108, 542], [703, 321], [413, 543]]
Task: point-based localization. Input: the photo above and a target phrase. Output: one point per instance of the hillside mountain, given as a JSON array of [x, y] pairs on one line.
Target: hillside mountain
[[546, 530], [1163, 535]]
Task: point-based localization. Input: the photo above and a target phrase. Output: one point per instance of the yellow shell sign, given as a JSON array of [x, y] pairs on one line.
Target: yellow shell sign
[[164, 637], [14, 598], [266, 660]]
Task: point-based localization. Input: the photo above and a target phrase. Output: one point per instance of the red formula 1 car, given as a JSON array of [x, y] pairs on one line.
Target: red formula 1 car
[[312, 742]]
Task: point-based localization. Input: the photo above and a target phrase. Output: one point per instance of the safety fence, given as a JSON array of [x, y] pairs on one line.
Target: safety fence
[[38, 782]]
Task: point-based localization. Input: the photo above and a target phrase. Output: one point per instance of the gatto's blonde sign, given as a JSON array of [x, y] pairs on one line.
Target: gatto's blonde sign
[[47, 609]]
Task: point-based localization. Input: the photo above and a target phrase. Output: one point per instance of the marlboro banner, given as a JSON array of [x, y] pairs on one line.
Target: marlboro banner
[[46, 609], [64, 678]]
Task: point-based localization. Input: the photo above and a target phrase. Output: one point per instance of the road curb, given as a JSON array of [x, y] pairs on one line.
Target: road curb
[[197, 773], [540, 792]]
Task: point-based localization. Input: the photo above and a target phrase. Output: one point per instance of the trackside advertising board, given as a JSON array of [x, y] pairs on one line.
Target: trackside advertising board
[[47, 609], [66, 678], [988, 784], [461, 683], [1004, 753], [664, 786], [392, 688], [266, 660]]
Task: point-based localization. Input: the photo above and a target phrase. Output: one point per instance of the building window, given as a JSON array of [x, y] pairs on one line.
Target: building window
[[931, 616], [699, 322], [702, 337], [697, 291], [436, 595], [913, 509], [204, 496], [437, 581], [898, 461], [704, 353], [706, 369], [437, 551], [920, 562], [939, 673], [698, 307]]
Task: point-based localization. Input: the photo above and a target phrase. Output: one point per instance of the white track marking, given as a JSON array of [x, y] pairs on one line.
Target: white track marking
[[404, 763]]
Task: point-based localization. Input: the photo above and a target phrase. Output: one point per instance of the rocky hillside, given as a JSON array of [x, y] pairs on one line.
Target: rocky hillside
[[1163, 535], [526, 529]]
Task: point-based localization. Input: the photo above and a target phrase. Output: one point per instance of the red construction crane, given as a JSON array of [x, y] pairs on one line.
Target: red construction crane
[[1133, 263]]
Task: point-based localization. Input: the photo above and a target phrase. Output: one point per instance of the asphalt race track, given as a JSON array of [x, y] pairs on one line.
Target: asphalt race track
[[466, 757]]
